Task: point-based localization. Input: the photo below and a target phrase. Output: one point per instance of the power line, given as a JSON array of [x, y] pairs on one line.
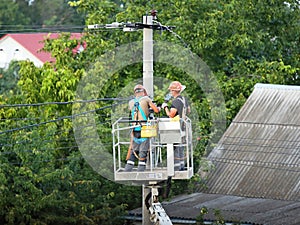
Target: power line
[[47, 161], [3, 32], [54, 120], [108, 121], [64, 103], [42, 26], [45, 140], [30, 143]]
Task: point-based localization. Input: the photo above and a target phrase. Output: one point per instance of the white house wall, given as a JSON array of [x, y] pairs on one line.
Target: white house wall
[[11, 50]]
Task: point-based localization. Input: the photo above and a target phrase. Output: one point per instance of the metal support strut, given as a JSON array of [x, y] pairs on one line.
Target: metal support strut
[[158, 216]]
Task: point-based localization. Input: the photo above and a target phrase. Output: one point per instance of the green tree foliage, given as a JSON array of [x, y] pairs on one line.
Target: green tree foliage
[[9, 79], [53, 13], [10, 17], [43, 177], [39, 15]]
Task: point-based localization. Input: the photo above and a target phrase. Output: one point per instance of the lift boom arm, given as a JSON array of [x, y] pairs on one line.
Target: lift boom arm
[[158, 215]]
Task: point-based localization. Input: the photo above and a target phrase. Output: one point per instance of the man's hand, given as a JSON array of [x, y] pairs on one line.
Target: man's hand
[[164, 105]]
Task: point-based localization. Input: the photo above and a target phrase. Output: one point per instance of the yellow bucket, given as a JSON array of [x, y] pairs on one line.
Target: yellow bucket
[[149, 131], [175, 119]]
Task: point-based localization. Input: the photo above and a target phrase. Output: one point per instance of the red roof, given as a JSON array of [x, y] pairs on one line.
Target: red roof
[[33, 42]]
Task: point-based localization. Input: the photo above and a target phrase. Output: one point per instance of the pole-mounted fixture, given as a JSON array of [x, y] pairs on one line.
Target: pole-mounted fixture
[[148, 25]]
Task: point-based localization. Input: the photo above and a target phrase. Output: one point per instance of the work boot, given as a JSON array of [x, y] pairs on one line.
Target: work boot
[[176, 168], [182, 167], [141, 168], [128, 167]]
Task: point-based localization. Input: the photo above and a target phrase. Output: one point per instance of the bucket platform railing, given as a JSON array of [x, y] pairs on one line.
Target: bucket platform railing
[[164, 135]]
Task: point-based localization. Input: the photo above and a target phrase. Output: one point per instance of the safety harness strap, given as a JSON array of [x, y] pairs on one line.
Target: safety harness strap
[[137, 108], [183, 108]]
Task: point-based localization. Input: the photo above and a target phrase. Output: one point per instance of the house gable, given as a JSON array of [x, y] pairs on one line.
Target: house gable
[[11, 49], [26, 47]]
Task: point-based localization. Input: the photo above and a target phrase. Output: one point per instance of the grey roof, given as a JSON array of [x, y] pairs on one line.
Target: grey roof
[[258, 155], [235, 209], [256, 178], [241, 210], [232, 209]]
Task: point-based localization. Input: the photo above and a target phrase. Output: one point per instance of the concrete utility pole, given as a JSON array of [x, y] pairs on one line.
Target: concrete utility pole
[[146, 214], [148, 84], [148, 56]]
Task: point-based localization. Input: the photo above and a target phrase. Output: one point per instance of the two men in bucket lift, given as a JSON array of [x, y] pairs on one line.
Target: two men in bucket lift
[[139, 108]]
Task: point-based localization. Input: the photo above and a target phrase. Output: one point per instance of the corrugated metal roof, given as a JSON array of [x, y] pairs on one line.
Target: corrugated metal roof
[[258, 155], [241, 210], [235, 209]]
